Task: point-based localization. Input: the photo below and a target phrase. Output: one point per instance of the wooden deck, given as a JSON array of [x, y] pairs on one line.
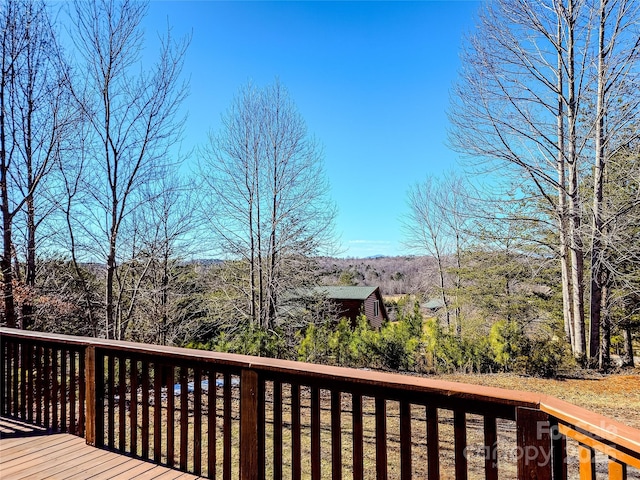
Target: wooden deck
[[28, 451]]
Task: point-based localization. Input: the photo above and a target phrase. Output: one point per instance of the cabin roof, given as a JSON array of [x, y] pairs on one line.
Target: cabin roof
[[346, 293]]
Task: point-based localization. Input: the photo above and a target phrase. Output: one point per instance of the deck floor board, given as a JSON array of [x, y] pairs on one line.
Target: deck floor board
[[33, 453]]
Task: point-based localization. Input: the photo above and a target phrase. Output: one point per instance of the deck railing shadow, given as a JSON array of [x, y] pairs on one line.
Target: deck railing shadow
[[232, 416]]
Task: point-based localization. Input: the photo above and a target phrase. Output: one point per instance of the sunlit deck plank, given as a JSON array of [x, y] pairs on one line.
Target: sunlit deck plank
[[30, 452]]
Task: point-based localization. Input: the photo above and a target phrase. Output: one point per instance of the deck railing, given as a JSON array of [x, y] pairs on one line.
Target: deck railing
[[232, 416]]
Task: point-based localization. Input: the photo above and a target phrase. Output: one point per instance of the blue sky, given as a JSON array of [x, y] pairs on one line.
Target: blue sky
[[371, 80]]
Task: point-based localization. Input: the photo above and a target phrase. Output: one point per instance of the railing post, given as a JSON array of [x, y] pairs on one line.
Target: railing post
[[94, 415], [248, 425], [533, 430]]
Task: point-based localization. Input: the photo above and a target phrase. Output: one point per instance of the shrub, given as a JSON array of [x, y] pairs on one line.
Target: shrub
[[339, 343], [396, 346], [314, 346], [508, 343], [363, 344], [545, 358], [447, 352]]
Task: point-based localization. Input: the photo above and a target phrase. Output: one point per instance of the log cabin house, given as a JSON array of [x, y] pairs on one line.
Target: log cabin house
[[352, 301]]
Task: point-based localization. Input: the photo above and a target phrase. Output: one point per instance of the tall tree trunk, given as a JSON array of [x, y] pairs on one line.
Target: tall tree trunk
[[7, 274], [110, 326], [252, 261], [7, 271], [577, 253], [27, 307], [30, 277], [261, 280], [7, 242], [627, 336], [165, 296], [565, 268], [443, 295], [271, 314], [458, 282], [604, 356], [598, 189]]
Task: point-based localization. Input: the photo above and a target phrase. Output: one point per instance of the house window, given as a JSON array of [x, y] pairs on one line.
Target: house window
[[376, 308]]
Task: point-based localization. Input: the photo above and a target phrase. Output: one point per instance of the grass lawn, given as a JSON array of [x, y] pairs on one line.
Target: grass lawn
[[616, 396]]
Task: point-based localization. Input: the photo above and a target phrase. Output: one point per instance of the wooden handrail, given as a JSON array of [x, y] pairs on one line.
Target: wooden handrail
[[123, 378], [610, 437]]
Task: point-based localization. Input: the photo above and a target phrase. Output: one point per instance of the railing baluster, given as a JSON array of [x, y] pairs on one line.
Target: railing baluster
[[133, 406], [54, 389], [296, 450], [460, 443], [433, 443], [587, 458], [358, 446], [277, 429], [170, 375], [226, 428], [23, 381], [157, 412], [63, 390], [82, 389], [336, 435], [617, 470], [490, 448], [47, 386], [316, 455], [184, 416], [381, 438], [73, 385], [405, 440], [559, 452], [39, 384], [211, 425], [6, 374], [197, 421], [16, 378], [145, 409], [4, 358], [110, 401], [28, 369], [122, 403]]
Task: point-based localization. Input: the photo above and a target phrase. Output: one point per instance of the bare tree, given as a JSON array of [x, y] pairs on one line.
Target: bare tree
[[618, 54], [268, 196], [133, 114], [426, 232], [33, 116], [517, 106], [619, 253], [151, 282]]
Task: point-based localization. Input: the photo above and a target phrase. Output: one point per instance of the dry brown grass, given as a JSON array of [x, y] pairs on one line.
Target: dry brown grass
[[616, 396]]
